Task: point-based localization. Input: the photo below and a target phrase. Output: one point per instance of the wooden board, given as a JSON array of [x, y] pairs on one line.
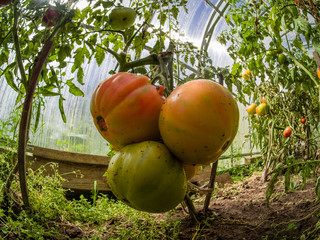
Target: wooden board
[[79, 170]]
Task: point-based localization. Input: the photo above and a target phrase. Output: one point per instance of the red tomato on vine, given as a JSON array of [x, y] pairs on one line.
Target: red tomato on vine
[[287, 132]]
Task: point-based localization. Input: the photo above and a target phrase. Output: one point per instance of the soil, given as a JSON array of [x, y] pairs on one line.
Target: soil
[[239, 211]]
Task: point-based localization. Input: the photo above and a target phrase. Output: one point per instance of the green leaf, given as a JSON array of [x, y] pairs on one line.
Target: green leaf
[[107, 4], [73, 89], [10, 80], [99, 56], [46, 93], [175, 11], [316, 44], [80, 75], [61, 109], [236, 68], [271, 185]]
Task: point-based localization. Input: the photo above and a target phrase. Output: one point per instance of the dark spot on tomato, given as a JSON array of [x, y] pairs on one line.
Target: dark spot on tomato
[[206, 147], [102, 124], [225, 146]]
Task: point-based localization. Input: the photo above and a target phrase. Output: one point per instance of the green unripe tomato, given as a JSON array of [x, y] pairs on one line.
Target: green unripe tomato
[[122, 18], [147, 177], [282, 59]]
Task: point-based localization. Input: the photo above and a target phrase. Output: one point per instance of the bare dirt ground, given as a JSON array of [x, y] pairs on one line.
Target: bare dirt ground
[[239, 211]]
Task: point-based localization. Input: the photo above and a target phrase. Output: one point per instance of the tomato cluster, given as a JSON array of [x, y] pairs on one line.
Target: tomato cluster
[[261, 109], [161, 142]]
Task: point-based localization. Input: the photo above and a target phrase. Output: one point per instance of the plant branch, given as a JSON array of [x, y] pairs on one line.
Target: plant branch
[[113, 53], [25, 116], [23, 128], [210, 186], [149, 60]]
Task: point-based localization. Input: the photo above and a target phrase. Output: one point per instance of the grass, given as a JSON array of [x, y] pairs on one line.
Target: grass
[[55, 217]]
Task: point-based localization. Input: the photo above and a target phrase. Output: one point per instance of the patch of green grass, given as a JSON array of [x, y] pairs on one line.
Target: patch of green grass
[[240, 172], [98, 217]]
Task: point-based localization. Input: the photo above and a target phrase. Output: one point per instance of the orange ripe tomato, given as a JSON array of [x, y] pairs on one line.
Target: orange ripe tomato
[[303, 120], [191, 170], [287, 132], [318, 72], [251, 109], [263, 100], [199, 121], [125, 109], [246, 74]]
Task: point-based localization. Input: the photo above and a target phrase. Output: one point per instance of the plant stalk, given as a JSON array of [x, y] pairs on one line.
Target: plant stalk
[[25, 117]]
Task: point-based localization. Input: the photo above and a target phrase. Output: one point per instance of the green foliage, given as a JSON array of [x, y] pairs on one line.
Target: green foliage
[[275, 41], [52, 211]]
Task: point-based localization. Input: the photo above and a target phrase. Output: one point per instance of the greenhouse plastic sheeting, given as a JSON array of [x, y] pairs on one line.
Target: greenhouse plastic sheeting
[[79, 133]]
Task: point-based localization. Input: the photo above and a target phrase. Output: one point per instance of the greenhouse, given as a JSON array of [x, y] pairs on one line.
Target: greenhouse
[[153, 119]]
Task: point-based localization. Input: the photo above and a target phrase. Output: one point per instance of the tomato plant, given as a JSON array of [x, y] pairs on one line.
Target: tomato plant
[[125, 109], [199, 121], [147, 177], [274, 41]]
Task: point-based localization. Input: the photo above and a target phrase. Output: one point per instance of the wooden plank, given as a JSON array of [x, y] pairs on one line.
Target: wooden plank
[[77, 176], [58, 155]]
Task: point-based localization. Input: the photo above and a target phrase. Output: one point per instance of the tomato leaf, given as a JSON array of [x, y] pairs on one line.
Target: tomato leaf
[[99, 56], [73, 89], [61, 109], [10, 80]]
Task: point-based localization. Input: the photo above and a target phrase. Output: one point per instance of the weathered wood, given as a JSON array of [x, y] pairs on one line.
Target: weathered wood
[[72, 157], [79, 170]]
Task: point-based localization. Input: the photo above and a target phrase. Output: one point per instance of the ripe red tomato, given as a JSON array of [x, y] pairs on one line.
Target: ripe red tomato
[[51, 17], [303, 120], [287, 132], [125, 109], [263, 100], [199, 121], [147, 177]]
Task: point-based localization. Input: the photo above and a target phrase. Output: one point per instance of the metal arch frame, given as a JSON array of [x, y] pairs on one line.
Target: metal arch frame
[[211, 23]]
